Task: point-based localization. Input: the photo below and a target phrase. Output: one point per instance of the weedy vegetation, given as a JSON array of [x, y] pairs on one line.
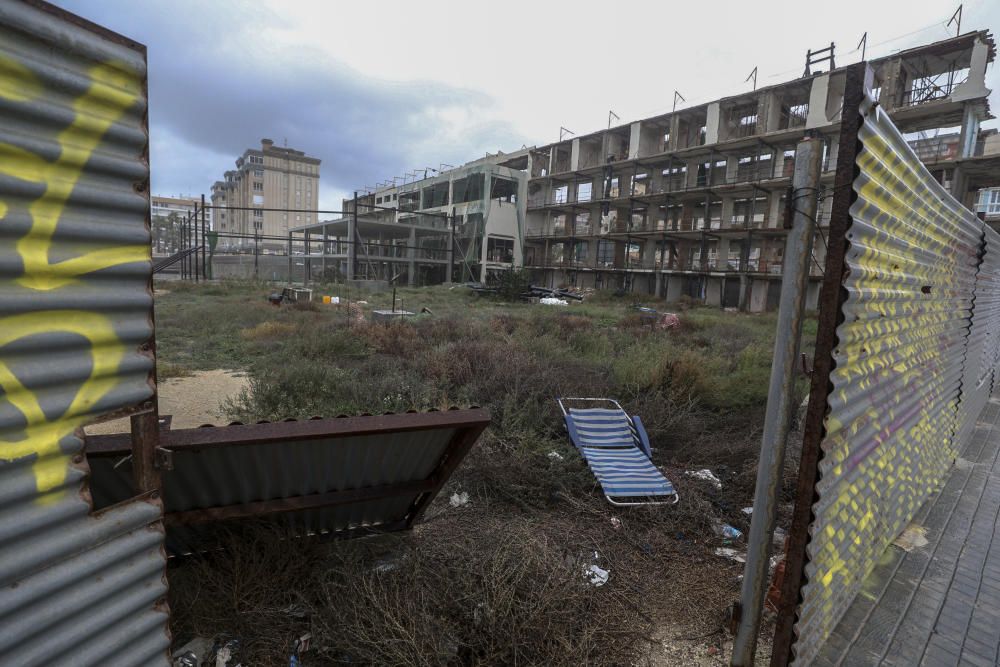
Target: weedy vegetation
[[500, 580]]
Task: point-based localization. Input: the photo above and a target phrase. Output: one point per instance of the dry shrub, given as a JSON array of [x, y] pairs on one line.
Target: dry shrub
[[504, 593], [267, 330], [250, 589], [398, 337], [480, 590]]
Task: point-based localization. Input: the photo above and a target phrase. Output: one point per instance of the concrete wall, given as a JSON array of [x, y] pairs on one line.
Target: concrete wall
[[269, 267]]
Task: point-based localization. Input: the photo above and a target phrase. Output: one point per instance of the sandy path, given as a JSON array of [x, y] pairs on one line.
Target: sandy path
[[193, 400]]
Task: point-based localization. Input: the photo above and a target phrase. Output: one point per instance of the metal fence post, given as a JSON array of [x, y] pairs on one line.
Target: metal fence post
[[794, 284]]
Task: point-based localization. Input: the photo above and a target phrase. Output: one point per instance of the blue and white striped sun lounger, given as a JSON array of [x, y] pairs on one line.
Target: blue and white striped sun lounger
[[617, 450]]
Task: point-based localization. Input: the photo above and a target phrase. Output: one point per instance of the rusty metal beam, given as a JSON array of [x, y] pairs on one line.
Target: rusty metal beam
[[859, 79], [339, 427], [459, 446]]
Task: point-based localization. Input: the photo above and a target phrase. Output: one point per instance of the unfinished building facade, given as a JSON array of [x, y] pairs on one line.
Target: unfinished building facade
[[462, 224], [692, 202]]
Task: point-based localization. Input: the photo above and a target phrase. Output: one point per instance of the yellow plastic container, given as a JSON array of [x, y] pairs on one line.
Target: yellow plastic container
[[326, 299]]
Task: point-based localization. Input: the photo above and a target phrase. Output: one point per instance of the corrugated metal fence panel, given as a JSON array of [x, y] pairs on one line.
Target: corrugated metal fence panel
[[240, 474], [899, 367], [987, 311], [74, 309]]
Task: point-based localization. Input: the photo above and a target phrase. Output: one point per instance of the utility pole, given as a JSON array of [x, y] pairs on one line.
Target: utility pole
[[777, 419]]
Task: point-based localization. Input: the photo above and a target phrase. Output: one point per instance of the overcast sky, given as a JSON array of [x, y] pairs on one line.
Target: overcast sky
[[378, 89]]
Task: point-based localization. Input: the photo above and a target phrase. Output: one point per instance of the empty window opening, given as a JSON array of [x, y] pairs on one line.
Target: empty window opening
[[499, 250], [503, 189], [436, 195], [468, 189]]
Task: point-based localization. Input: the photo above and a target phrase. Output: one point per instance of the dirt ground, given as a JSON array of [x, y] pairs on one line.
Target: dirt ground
[[192, 401]]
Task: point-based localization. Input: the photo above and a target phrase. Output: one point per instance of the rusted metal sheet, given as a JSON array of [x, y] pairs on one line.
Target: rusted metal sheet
[[319, 476], [75, 329], [902, 377]]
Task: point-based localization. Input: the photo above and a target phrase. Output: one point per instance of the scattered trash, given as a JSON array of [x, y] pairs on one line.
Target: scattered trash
[[668, 321], [386, 565], [731, 554], [552, 301], [459, 499], [727, 531], [427, 310], [361, 303], [616, 523], [713, 650], [748, 511], [779, 537], [555, 456], [596, 575], [194, 653], [227, 651], [300, 645], [912, 537], [706, 475]]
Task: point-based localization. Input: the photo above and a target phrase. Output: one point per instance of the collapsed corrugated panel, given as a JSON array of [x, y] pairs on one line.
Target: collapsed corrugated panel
[[74, 309], [314, 477], [899, 366]]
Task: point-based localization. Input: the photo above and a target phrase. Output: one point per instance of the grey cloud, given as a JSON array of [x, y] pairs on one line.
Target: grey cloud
[[215, 90]]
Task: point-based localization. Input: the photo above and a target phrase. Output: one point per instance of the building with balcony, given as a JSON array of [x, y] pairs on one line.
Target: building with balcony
[[692, 202], [460, 224], [271, 190]]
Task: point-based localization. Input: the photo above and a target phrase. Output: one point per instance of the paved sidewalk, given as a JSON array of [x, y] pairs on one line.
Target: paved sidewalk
[[939, 604]]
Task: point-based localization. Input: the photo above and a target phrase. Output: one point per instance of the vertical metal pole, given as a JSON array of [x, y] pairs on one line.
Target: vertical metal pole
[[289, 257], [451, 251], [204, 245], [794, 284], [184, 245], [194, 244], [352, 248]]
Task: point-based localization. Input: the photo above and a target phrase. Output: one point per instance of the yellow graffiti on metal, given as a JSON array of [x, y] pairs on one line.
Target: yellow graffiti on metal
[[112, 91], [893, 408], [42, 436]]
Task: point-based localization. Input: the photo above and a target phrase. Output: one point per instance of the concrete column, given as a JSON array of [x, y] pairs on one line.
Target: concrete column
[[411, 253], [732, 168], [774, 212], [975, 85], [712, 124], [574, 155], [817, 101], [970, 132], [728, 204], [635, 137], [675, 127]]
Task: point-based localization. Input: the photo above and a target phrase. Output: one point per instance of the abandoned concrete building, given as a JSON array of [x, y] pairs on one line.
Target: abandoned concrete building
[[691, 202], [460, 224]]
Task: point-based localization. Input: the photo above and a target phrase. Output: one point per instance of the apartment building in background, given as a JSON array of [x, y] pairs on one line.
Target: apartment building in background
[[272, 189], [692, 202], [165, 216], [460, 224]]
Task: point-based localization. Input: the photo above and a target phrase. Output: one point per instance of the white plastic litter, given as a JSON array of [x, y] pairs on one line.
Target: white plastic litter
[[552, 301], [335, 300], [616, 523], [596, 575], [731, 554], [747, 510], [555, 456], [706, 475], [459, 499]]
